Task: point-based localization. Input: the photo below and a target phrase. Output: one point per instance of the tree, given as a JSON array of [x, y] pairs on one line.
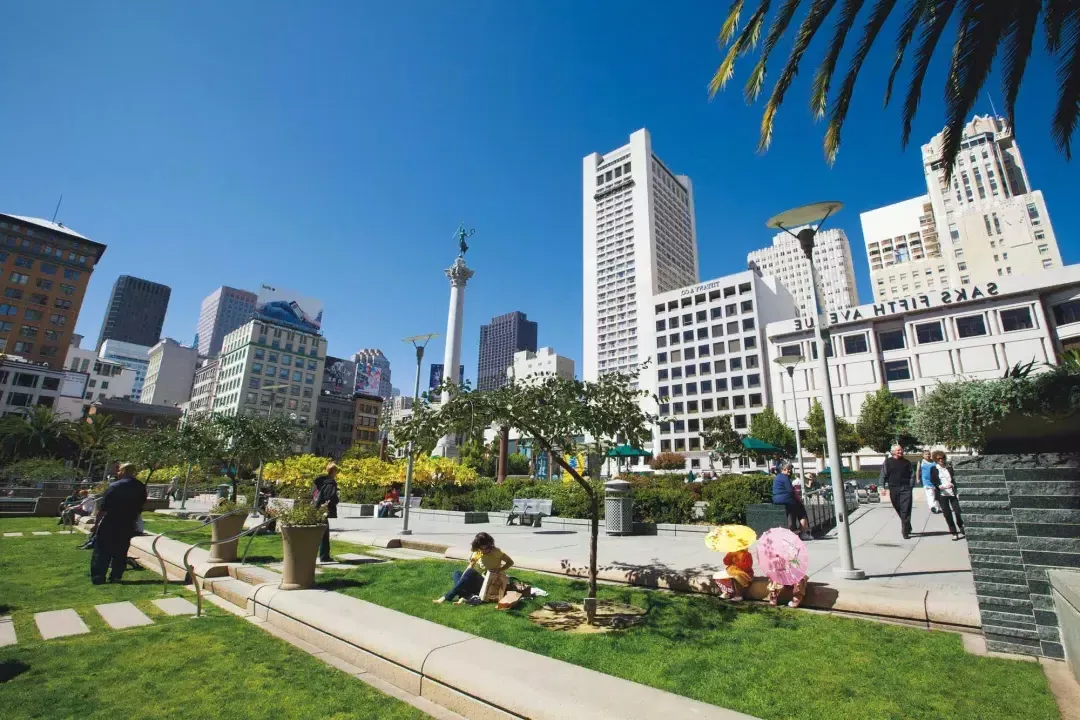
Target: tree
[[361, 450], [768, 427], [884, 421], [93, 436], [38, 433], [982, 29], [249, 440], [668, 461], [815, 440], [148, 449], [555, 414], [719, 437]]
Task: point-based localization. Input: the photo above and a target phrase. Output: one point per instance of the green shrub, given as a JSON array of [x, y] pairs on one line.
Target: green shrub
[[663, 505], [729, 495], [38, 470], [300, 514], [488, 496]]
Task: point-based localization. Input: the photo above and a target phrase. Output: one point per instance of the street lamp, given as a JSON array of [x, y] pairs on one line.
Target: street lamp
[[788, 362], [419, 342], [804, 216]]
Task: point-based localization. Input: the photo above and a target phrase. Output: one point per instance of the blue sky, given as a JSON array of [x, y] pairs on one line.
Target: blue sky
[[333, 148]]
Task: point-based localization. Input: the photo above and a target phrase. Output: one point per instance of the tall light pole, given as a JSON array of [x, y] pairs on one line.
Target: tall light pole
[[804, 216], [418, 342], [788, 362]]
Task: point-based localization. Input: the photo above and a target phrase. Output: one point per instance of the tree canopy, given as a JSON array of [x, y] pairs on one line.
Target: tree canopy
[[768, 427], [884, 421], [720, 438], [815, 440]]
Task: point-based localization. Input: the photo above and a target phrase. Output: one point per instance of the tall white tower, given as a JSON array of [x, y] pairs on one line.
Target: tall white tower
[[639, 239], [459, 274], [832, 256]]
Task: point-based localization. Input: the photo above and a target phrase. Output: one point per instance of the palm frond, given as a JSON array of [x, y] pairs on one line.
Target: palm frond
[[819, 9], [776, 30], [731, 23], [878, 15], [743, 44], [915, 13], [927, 44], [1063, 125], [982, 26], [1018, 43], [819, 96], [1057, 12]]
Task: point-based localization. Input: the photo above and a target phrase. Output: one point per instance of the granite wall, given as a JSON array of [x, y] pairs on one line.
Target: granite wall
[[1022, 515]]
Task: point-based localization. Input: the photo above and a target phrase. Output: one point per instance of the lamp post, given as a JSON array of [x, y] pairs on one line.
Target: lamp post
[[419, 342], [804, 216], [788, 362]]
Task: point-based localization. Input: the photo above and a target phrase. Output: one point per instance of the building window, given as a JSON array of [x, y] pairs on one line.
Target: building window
[[1067, 313], [1016, 319], [891, 340], [19, 278], [897, 370], [930, 332], [970, 326], [855, 344], [905, 396]]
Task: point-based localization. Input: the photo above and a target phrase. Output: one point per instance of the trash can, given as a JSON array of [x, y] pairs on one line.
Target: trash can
[[224, 491], [618, 507]]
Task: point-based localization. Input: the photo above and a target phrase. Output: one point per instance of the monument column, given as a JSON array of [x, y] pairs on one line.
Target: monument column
[[459, 274]]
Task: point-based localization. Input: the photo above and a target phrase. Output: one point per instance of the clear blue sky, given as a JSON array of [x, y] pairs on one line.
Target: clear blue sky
[[333, 148]]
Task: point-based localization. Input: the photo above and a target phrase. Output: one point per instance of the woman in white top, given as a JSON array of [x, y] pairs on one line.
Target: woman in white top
[[941, 475]]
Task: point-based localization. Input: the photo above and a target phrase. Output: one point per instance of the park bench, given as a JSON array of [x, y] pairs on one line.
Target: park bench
[[414, 504], [17, 505], [531, 509]]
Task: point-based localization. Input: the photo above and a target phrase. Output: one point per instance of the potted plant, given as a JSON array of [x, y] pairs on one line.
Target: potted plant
[[227, 523], [302, 527]]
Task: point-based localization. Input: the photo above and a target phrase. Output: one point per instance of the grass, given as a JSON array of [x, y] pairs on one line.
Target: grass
[[771, 663], [216, 666]]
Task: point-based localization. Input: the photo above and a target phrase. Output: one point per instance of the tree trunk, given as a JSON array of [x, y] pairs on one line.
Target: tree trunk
[[504, 453], [594, 532]]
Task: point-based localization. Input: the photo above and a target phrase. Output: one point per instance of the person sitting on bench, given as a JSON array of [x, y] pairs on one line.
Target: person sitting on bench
[[487, 557], [83, 506], [386, 507]]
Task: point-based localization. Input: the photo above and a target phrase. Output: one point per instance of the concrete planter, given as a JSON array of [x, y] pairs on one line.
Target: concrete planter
[[300, 546], [224, 527]]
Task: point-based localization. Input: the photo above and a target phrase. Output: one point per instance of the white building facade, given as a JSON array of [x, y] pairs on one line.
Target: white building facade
[[130, 355], [912, 344], [711, 358], [639, 239], [544, 361], [785, 260], [203, 388], [106, 379], [25, 384], [169, 373]]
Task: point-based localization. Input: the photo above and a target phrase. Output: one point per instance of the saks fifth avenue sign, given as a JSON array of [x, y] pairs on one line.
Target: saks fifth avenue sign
[[904, 305]]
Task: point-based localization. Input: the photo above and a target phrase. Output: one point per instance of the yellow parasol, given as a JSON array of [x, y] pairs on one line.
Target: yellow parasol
[[730, 538]]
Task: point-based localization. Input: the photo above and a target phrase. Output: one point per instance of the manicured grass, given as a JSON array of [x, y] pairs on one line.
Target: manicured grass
[[769, 663], [217, 666], [30, 524]]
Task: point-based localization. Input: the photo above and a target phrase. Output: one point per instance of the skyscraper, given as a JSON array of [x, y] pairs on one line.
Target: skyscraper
[[832, 257], [136, 312], [499, 340], [639, 239], [986, 222], [371, 363], [222, 311]]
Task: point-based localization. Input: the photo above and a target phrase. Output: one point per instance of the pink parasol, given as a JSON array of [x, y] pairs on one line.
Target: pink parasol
[[783, 556]]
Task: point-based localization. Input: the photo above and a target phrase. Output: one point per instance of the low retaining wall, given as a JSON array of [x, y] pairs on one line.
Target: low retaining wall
[[1065, 585]]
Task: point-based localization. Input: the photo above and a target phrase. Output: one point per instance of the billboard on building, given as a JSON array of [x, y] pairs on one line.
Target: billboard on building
[[285, 307], [435, 376], [339, 376], [74, 384], [368, 378]]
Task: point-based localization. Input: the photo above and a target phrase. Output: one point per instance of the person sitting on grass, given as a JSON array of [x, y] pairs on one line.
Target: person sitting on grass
[[485, 555]]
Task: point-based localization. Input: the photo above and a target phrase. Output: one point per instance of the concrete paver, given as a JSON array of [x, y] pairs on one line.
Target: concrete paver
[[60, 623], [121, 615], [37, 532], [356, 559], [176, 606], [7, 631], [13, 534]]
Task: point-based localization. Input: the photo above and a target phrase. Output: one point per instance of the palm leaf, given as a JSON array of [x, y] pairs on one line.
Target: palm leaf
[[916, 11], [873, 27], [1068, 105], [1018, 43], [731, 23], [743, 44], [819, 9], [1057, 13], [981, 30], [779, 26], [927, 44], [819, 96]]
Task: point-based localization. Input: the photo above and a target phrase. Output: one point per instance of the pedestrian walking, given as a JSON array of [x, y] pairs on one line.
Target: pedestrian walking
[[117, 516], [326, 493], [945, 488], [898, 475], [926, 466]]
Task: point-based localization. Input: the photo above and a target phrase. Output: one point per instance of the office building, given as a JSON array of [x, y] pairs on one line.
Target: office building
[[130, 355], [336, 410], [44, 270], [912, 344], [541, 363], [785, 260], [104, 379], [222, 311], [136, 312], [170, 373], [435, 376], [368, 416], [203, 387], [499, 340], [130, 415], [25, 384], [373, 370], [985, 223], [639, 240], [711, 359]]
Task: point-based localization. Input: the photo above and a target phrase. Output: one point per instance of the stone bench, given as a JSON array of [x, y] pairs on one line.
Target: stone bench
[[172, 552]]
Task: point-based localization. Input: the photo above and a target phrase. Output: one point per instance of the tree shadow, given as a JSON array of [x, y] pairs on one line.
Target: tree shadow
[[10, 669], [262, 559], [6, 609], [147, 581], [336, 584]]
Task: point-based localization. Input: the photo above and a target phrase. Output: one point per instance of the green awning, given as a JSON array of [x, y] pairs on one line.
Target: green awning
[[752, 443], [625, 451]]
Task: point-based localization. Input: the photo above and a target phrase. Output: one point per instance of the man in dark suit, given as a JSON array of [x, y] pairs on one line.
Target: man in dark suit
[[897, 474], [117, 514]]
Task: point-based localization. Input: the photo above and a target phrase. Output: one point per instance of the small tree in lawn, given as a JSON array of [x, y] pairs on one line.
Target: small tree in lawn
[[884, 421], [719, 437], [248, 440], [553, 413], [815, 439], [148, 449], [768, 427]]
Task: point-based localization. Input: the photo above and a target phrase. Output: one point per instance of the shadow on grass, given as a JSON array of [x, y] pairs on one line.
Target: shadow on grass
[[262, 559], [6, 609], [10, 669], [339, 583]]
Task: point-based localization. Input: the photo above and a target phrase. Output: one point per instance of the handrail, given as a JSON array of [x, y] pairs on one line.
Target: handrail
[[191, 568], [161, 560]]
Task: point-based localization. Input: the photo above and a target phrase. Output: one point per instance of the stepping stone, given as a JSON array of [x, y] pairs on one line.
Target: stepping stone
[[355, 559], [12, 534], [60, 623], [176, 606], [122, 615], [406, 554], [7, 631], [43, 533], [65, 532]]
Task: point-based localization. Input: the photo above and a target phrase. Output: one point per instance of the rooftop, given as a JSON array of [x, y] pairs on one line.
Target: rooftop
[[55, 227]]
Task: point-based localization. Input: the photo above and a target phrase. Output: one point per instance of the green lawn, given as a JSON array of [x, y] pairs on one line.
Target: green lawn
[[768, 663], [217, 666]]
